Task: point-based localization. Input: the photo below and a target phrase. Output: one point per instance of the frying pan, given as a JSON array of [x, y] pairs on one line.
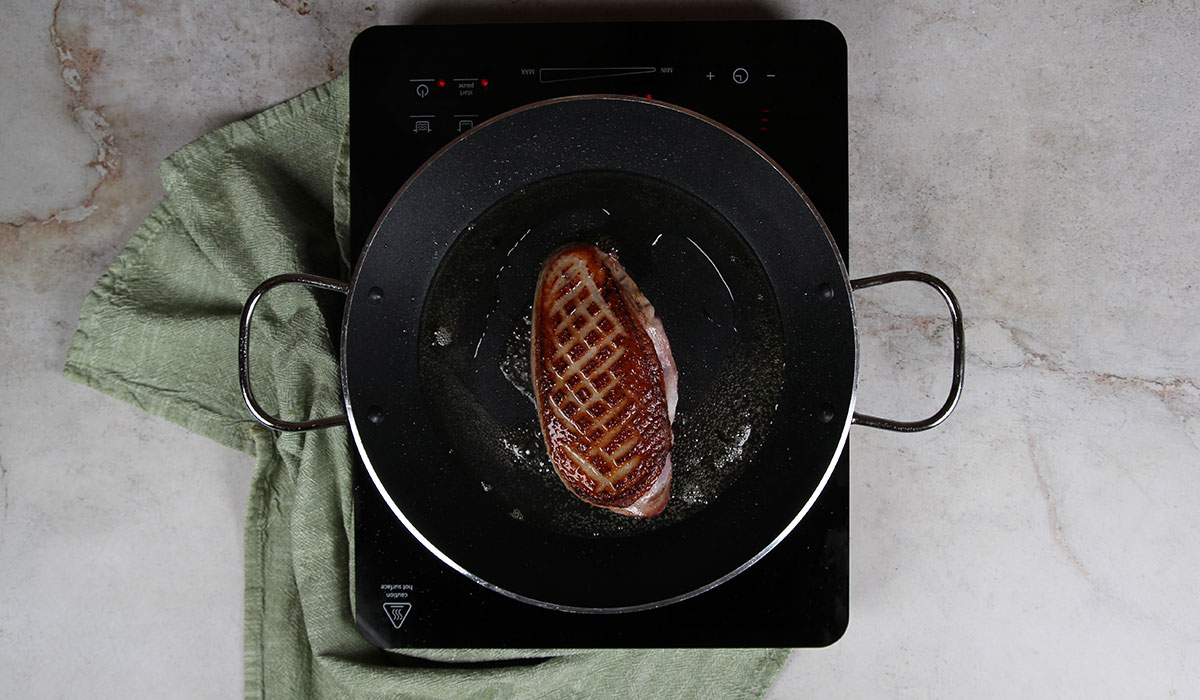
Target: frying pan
[[755, 298]]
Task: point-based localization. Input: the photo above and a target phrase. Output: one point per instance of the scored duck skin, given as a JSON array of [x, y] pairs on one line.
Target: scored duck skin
[[604, 382]]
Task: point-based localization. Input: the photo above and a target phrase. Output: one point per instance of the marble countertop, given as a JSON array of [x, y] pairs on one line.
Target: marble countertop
[[1045, 163]]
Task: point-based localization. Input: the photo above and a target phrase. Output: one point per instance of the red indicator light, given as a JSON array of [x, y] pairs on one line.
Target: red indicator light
[[649, 96], [441, 83], [484, 82]]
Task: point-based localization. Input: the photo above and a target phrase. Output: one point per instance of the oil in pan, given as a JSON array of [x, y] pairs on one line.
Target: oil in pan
[[708, 288]]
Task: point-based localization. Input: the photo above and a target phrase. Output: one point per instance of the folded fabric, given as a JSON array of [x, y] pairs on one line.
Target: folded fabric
[[251, 200]]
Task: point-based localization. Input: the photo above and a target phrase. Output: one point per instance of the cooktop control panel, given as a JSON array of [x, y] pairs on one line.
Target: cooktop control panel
[[782, 86], [430, 84]]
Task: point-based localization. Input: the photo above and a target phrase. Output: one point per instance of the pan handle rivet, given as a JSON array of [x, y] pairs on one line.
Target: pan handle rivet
[[824, 291], [826, 414], [375, 294], [375, 414]]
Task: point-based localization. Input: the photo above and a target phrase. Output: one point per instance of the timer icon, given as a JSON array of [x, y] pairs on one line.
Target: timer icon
[[741, 75]]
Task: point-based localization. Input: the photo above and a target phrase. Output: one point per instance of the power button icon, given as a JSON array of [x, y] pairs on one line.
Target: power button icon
[[741, 75]]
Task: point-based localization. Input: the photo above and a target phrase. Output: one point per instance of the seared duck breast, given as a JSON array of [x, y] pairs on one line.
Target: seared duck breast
[[604, 381]]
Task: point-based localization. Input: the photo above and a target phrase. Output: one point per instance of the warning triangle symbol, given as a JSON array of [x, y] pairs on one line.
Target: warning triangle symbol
[[397, 612]]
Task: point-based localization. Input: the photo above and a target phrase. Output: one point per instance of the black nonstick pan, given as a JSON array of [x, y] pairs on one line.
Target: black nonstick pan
[[755, 300]]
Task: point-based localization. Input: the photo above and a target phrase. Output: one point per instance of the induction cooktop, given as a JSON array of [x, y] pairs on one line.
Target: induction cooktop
[[779, 84]]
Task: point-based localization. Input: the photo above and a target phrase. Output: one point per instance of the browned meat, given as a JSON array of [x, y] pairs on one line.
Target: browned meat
[[604, 381]]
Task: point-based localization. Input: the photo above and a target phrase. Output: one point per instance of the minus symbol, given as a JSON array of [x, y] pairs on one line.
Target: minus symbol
[[770, 75]]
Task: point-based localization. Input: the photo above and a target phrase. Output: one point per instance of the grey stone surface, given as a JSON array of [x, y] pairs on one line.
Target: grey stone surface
[[1044, 161]]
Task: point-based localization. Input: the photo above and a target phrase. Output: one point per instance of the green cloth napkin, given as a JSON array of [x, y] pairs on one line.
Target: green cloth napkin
[[251, 200]]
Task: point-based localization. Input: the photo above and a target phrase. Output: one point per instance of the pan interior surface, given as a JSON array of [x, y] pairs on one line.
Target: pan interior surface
[[715, 301], [435, 349]]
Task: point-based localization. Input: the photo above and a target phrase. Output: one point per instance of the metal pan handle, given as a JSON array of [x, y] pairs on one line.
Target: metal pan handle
[[244, 351], [956, 383]]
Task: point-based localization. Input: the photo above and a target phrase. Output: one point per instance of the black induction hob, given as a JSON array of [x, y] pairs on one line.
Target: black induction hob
[[780, 84]]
